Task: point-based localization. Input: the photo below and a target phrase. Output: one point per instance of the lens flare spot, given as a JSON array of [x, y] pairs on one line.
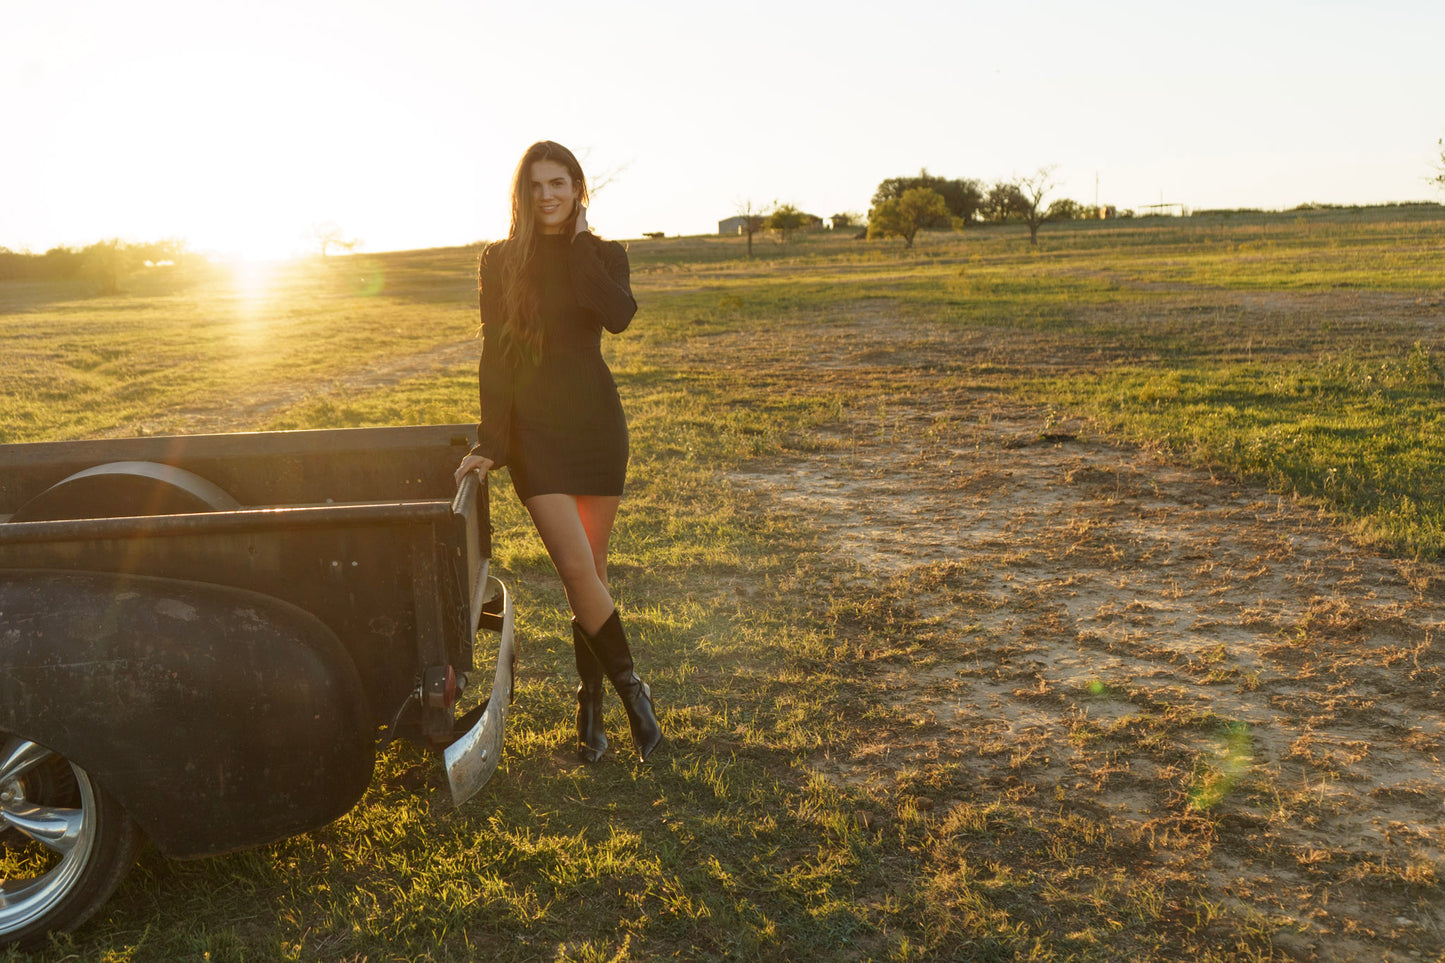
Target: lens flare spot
[[370, 282], [1219, 771]]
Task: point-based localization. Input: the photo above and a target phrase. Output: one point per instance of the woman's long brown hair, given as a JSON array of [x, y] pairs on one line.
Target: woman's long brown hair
[[519, 268]]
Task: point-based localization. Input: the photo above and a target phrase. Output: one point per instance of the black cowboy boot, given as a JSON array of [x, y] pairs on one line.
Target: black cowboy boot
[[591, 736], [610, 647]]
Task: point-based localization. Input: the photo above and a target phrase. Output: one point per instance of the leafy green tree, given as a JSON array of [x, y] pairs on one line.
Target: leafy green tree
[[962, 196], [919, 207], [1003, 201], [1066, 209], [785, 219], [61, 262], [104, 262]]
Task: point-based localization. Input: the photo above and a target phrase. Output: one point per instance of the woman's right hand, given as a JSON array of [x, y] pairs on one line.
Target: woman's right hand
[[476, 463]]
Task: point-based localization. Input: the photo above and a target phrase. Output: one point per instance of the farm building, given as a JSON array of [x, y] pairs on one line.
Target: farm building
[[738, 223], [732, 225]]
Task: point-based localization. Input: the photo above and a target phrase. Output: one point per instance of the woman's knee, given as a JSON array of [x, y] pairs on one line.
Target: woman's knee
[[578, 573]]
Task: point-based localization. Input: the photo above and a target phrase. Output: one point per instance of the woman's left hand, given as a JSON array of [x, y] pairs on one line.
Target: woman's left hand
[[475, 463], [581, 220]]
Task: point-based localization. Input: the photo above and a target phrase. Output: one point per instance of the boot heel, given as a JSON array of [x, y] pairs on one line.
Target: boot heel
[[642, 720]]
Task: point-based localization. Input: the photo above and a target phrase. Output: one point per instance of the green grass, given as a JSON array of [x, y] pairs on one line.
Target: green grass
[[1303, 351], [1365, 438], [79, 365], [730, 845]]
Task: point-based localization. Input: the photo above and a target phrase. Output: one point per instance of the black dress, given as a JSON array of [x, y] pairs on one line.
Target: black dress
[[557, 424]]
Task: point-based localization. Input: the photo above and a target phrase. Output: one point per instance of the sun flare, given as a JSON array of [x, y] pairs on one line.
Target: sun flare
[[253, 280]]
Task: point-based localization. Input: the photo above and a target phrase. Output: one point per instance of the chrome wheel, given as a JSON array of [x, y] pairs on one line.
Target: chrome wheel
[[65, 844]]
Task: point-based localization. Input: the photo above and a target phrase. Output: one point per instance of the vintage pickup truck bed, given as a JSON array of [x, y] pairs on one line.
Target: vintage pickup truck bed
[[207, 636]]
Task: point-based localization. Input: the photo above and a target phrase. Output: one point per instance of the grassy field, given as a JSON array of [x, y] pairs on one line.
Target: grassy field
[[1069, 604]]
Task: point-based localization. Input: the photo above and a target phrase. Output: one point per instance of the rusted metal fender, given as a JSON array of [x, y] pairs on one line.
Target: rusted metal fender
[[219, 718]]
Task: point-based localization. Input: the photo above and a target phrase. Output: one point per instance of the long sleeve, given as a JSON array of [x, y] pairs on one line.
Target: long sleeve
[[600, 278], [495, 375]]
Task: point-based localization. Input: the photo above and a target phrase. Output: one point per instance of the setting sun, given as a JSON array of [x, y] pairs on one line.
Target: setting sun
[[253, 280], [1011, 434]]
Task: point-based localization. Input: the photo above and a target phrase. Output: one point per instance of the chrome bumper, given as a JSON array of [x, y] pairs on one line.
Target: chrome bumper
[[472, 759]]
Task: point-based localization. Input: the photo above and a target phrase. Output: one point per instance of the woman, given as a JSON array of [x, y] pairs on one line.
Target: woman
[[550, 413]]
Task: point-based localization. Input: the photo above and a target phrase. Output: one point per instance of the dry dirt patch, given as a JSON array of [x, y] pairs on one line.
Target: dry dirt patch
[[1216, 671]]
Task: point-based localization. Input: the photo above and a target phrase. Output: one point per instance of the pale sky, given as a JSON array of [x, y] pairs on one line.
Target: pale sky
[[239, 126]]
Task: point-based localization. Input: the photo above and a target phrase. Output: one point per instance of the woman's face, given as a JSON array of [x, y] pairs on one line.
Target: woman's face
[[554, 196]]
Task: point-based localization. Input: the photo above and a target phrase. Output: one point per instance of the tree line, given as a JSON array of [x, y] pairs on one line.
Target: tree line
[[107, 262], [104, 262], [902, 206]]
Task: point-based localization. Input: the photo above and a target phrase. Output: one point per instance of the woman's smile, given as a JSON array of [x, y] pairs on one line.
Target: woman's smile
[[554, 196]]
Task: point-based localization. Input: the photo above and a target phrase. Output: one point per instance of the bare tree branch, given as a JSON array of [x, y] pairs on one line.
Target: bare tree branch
[[753, 219], [329, 235], [599, 180], [1032, 190]]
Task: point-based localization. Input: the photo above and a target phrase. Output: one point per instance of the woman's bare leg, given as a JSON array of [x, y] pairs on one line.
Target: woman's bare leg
[[559, 521], [598, 513], [576, 530]]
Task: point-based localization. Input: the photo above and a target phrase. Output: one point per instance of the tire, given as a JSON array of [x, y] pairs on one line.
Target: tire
[[126, 488], [65, 843]]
